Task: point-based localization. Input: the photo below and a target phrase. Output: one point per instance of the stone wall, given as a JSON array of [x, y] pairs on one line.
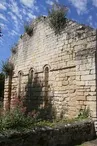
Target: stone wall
[[70, 58], [63, 135]]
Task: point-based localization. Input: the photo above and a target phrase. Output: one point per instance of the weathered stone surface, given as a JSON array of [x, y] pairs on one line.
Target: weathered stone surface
[[70, 134], [70, 58]]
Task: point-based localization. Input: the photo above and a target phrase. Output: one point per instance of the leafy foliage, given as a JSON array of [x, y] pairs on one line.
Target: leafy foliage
[[7, 68], [57, 16], [47, 113], [18, 118], [84, 113], [21, 36], [14, 49], [15, 119], [44, 123], [28, 29]]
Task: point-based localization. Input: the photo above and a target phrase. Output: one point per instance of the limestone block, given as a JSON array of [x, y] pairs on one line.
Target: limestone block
[[65, 83], [78, 77], [88, 77], [81, 102], [80, 83], [91, 98], [92, 83], [81, 98], [91, 44], [90, 93], [79, 93], [93, 88]]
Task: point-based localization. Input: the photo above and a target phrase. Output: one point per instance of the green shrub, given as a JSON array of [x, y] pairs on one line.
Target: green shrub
[[19, 119], [21, 36], [84, 113], [14, 49], [7, 68], [28, 29], [44, 123], [57, 17], [15, 119], [43, 114]]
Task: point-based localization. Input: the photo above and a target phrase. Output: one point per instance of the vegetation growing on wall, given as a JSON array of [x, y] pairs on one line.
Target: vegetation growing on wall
[[19, 118], [14, 49], [21, 36], [84, 113], [28, 29], [57, 17], [7, 68]]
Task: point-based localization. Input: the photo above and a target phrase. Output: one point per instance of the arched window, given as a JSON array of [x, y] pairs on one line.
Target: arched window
[[46, 75], [46, 79], [19, 83], [30, 77], [30, 81]]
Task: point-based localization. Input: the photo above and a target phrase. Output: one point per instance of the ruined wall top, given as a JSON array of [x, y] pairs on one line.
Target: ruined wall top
[[45, 46]]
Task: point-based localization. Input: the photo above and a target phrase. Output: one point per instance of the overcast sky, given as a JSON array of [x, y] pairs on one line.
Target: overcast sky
[[14, 13]]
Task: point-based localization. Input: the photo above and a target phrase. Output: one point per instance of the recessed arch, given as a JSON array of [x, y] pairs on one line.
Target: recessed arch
[[46, 82], [31, 75], [20, 74], [46, 66]]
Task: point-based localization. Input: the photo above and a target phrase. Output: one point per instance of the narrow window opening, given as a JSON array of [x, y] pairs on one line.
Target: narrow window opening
[[30, 81], [30, 76], [46, 85], [19, 86]]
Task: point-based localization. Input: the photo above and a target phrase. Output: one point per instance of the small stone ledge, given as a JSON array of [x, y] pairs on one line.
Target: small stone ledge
[[61, 135]]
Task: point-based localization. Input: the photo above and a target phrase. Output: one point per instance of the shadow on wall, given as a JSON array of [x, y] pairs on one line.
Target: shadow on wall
[[2, 79], [36, 97]]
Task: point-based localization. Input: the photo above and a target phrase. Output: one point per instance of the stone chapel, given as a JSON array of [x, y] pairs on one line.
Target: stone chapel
[[56, 70]]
